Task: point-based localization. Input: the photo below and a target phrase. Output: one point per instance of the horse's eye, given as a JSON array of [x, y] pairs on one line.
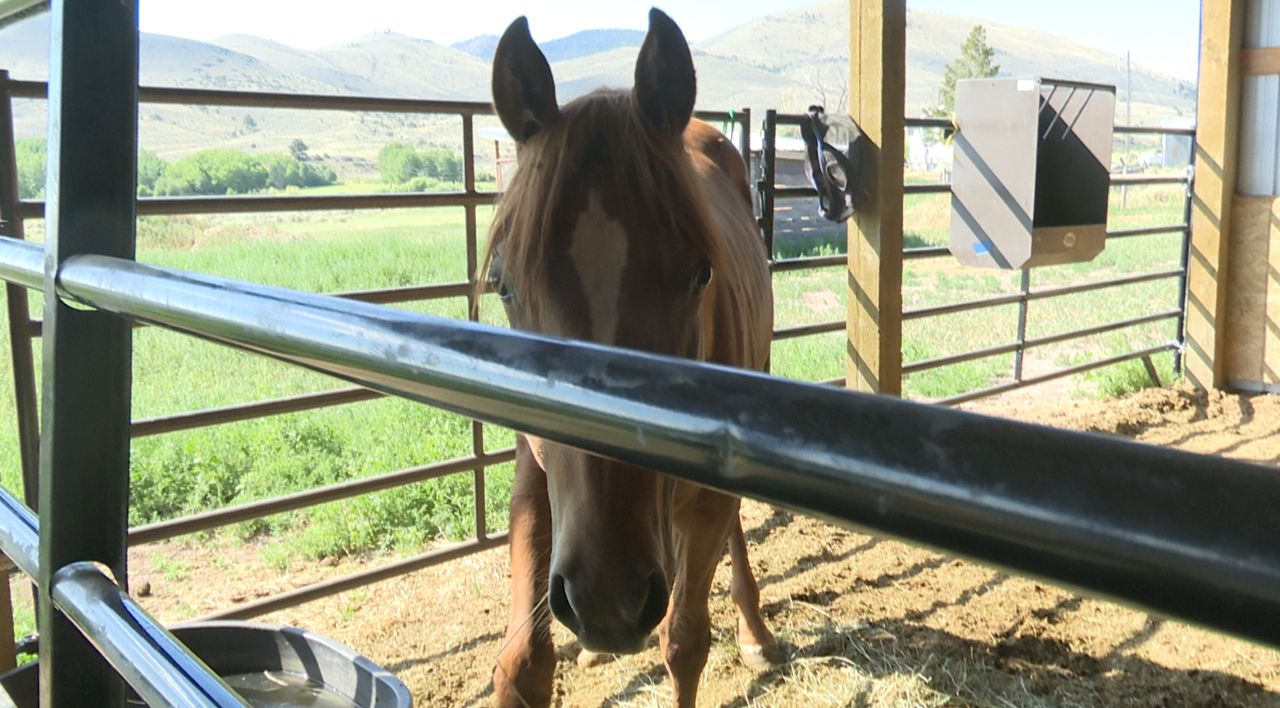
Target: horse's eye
[[500, 284], [503, 289], [702, 279]]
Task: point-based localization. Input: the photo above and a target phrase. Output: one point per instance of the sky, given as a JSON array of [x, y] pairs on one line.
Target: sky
[[1161, 34]]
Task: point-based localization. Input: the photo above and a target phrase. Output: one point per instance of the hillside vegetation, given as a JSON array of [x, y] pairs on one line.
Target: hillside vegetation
[[786, 60]]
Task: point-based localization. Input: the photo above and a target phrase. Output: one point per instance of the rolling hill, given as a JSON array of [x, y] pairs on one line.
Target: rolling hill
[[786, 60]]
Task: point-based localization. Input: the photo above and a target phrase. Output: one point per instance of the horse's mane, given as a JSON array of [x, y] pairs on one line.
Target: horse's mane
[[640, 164]]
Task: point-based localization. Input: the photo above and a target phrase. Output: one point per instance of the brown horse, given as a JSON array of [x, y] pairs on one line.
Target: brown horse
[[627, 224]]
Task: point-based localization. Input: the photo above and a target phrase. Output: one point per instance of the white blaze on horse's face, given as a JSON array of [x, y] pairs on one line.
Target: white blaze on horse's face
[[599, 255]]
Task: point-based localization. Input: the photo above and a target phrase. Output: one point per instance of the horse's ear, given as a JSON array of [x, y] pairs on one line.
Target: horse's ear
[[665, 83], [524, 93]]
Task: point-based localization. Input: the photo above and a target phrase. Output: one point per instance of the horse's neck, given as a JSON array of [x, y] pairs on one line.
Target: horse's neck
[[738, 324]]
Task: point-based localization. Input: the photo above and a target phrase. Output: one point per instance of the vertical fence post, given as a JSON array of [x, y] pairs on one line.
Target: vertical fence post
[[473, 305], [766, 183], [84, 454], [1023, 306], [24, 377], [877, 86], [744, 146], [1184, 264], [19, 311]]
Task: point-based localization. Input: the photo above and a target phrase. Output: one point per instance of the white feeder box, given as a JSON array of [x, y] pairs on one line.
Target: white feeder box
[[1031, 171]]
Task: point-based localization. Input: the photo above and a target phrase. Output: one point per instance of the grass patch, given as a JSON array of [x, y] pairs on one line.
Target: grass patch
[[1125, 378]]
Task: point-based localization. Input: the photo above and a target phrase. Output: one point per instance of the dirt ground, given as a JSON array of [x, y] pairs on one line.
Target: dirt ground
[[862, 621]]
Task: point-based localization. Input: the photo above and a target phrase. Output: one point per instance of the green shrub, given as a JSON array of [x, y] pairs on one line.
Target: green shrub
[[150, 169], [398, 162], [213, 172], [287, 171]]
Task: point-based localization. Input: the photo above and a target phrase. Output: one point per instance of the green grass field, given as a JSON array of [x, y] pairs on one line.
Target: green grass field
[[181, 473]]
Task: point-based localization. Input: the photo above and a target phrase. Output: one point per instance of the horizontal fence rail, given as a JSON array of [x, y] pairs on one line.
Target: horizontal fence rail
[[205, 521], [146, 655], [1156, 527], [1062, 291], [298, 596], [1032, 343]]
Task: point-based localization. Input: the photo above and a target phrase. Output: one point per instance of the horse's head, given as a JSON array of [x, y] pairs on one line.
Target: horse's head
[[603, 235]]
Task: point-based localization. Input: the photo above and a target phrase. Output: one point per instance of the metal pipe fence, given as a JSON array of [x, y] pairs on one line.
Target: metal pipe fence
[[769, 193], [1151, 526]]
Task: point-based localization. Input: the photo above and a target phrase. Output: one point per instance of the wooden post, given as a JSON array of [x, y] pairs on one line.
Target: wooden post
[[877, 89], [1217, 138]]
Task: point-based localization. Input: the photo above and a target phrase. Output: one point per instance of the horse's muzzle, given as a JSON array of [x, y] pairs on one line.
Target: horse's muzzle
[[610, 623]]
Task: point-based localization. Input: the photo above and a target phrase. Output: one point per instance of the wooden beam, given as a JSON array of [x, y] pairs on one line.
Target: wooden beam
[[1262, 61], [1216, 153], [877, 89]]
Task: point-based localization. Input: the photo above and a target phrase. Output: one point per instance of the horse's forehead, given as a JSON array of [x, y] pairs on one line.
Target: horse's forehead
[[598, 250]]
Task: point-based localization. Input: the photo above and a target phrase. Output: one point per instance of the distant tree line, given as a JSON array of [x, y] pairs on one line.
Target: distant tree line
[[409, 169], [234, 172], [205, 172]]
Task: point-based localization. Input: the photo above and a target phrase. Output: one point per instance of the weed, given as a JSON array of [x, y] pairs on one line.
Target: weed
[[1128, 377], [173, 569], [357, 600]]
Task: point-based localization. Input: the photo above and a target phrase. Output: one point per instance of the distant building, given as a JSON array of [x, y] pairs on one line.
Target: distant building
[[1177, 148]]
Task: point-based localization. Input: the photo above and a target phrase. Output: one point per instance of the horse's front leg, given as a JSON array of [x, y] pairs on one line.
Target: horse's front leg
[[756, 645], [702, 526], [526, 664]]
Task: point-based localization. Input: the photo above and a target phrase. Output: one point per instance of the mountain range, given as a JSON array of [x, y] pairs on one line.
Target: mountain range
[[786, 60]]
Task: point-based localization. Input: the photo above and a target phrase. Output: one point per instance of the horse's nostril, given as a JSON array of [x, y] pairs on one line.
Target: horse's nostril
[[655, 604], [558, 597]]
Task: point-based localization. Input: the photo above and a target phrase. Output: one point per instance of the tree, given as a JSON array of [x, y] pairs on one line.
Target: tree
[[974, 62], [441, 164], [298, 149], [31, 167], [398, 163], [214, 172], [286, 171], [150, 169], [827, 81]]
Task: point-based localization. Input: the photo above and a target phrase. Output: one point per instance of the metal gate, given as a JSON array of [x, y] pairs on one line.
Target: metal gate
[[770, 192]]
